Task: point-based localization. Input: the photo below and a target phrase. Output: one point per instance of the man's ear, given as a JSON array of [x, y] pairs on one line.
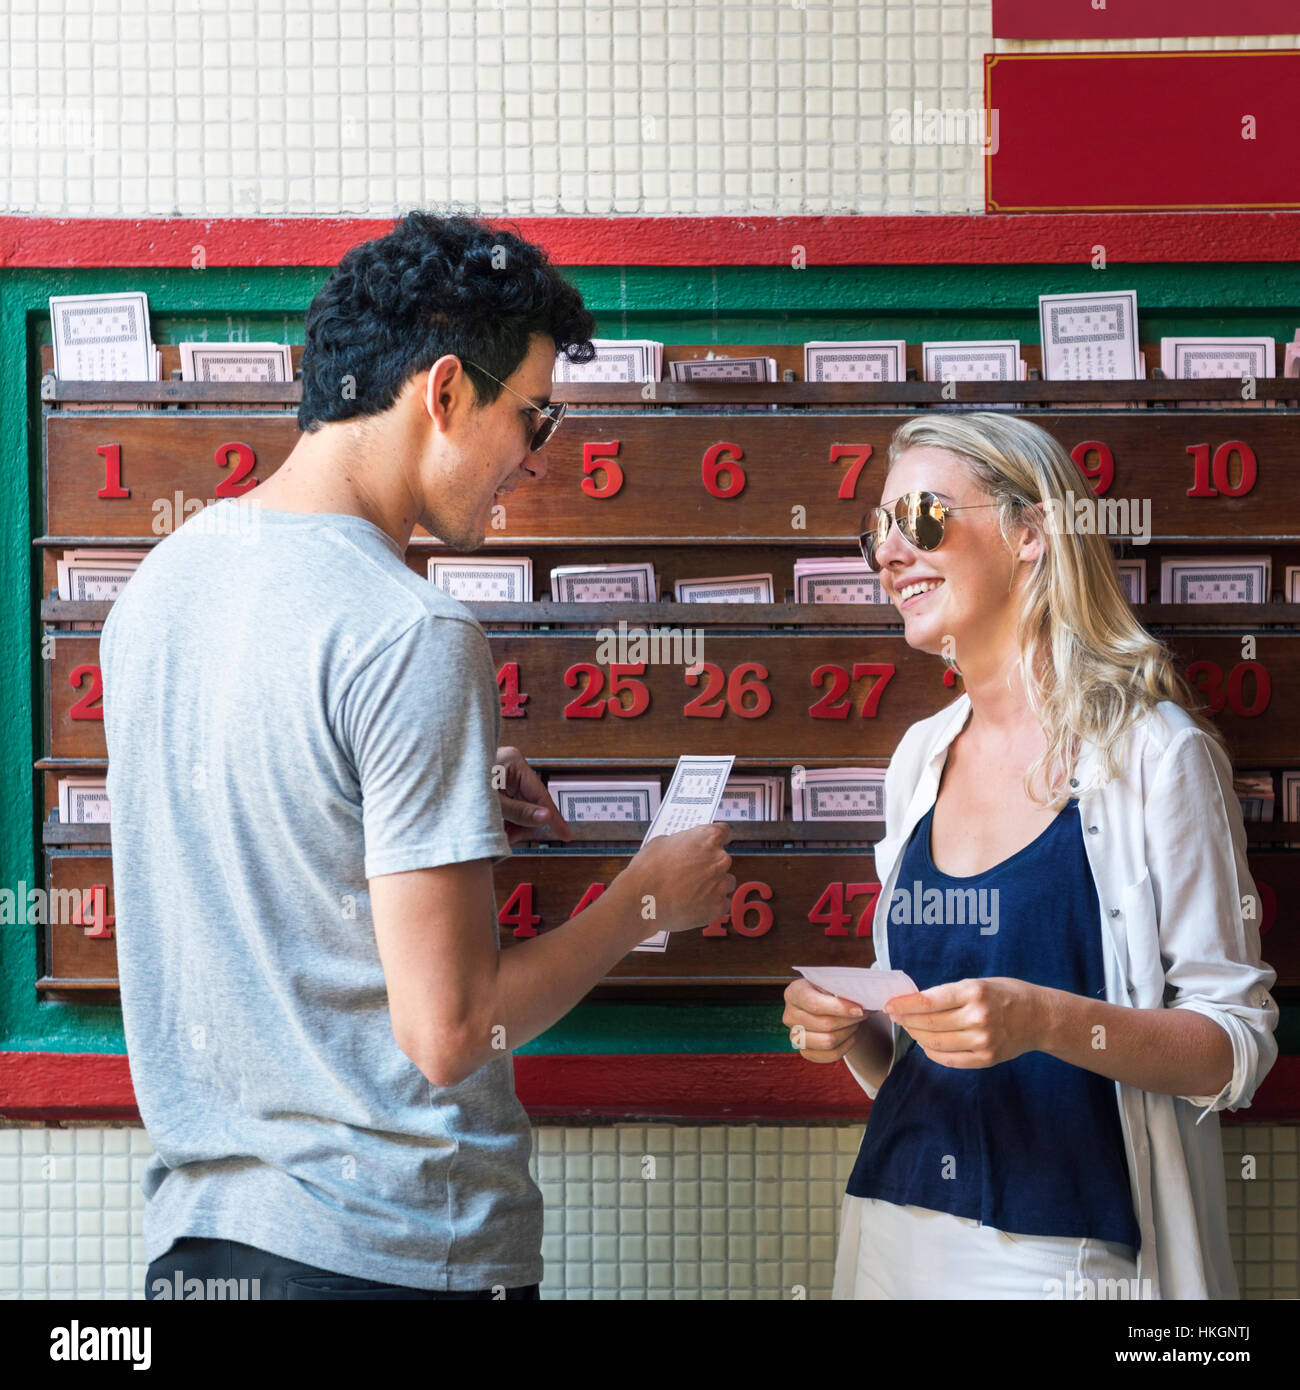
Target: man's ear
[[432, 384]]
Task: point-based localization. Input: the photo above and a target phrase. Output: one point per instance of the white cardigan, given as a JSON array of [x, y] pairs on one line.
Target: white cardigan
[[1167, 847]]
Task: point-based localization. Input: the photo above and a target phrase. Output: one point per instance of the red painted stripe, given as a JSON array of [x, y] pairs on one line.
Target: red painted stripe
[[1140, 19], [1067, 122], [730, 1087], [981, 239]]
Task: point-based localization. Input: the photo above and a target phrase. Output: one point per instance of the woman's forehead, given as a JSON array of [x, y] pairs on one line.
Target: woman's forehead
[[931, 467]]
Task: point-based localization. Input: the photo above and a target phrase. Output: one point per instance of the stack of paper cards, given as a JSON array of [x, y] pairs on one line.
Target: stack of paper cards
[[752, 797], [732, 588], [869, 985], [1291, 802], [1090, 337], [837, 579], [597, 799], [727, 369], [838, 793], [994, 359], [96, 576], [692, 799], [236, 362], [879, 360], [1216, 579], [1293, 584], [476, 580], [82, 800], [103, 337], [1291, 367], [1133, 579], [1255, 792], [616, 359], [1218, 357], [629, 583], [724, 369]]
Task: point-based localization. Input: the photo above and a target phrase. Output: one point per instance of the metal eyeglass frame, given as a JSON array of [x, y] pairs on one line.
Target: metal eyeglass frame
[[869, 528], [551, 415]]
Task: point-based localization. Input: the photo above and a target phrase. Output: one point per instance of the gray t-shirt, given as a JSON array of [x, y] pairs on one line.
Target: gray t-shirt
[[290, 711]]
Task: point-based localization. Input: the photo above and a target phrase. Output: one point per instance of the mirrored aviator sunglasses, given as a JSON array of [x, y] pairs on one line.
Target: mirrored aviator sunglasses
[[551, 418], [921, 517]]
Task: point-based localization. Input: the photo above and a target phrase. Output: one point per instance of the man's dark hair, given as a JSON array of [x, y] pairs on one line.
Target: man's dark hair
[[434, 285]]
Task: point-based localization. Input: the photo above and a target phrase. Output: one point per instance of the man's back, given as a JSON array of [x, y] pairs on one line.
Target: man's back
[[290, 711]]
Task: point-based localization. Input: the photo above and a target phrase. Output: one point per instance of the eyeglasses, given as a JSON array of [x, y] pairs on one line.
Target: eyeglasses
[[551, 416], [920, 516]]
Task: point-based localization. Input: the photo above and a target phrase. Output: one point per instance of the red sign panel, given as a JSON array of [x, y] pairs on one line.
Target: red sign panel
[[1094, 132], [1140, 19]]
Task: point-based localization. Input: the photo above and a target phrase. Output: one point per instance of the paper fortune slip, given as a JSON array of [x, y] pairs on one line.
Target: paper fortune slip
[[871, 988], [691, 799]]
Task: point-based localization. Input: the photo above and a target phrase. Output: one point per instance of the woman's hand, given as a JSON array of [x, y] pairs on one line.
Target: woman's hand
[[974, 1023], [526, 805], [822, 1026]]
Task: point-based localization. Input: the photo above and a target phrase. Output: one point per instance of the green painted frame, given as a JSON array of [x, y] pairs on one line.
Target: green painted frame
[[731, 304]]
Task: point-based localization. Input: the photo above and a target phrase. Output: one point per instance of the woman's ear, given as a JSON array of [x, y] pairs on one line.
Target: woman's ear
[[1032, 541]]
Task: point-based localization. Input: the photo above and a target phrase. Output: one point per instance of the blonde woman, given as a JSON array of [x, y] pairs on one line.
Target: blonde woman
[[1044, 1121]]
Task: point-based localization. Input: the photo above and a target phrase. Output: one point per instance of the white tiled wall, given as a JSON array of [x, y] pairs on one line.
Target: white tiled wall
[[741, 1211], [505, 107]]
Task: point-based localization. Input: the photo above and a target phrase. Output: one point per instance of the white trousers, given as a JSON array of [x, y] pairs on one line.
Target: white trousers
[[890, 1251]]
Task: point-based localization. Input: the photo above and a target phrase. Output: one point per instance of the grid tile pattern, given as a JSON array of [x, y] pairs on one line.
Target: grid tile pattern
[[513, 107], [632, 1211]]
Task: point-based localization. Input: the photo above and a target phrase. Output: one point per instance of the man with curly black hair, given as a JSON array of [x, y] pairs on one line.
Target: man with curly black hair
[[308, 797]]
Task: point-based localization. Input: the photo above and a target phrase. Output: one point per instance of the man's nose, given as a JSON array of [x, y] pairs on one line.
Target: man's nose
[[536, 463]]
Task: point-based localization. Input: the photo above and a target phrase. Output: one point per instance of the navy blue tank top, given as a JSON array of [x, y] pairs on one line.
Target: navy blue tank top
[[1033, 1145]]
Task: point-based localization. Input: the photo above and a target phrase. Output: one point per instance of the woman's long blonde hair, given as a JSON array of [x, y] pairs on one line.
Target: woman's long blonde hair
[[1091, 670]]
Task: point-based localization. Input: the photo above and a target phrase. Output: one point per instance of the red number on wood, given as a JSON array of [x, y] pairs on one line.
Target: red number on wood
[[518, 911], [81, 709], [91, 912], [829, 908], [1220, 469], [738, 688], [884, 673], [603, 461], [714, 463], [234, 486], [699, 707], [1207, 677], [112, 455], [587, 704], [859, 453], [589, 897], [1103, 474], [512, 700], [741, 903], [828, 708], [620, 680]]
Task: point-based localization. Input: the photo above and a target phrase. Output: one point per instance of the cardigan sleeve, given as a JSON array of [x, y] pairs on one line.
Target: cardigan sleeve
[[1208, 909]]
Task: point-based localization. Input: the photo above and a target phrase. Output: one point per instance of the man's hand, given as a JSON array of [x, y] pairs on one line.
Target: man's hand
[[526, 805], [974, 1023]]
